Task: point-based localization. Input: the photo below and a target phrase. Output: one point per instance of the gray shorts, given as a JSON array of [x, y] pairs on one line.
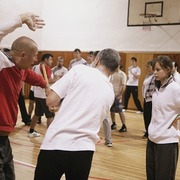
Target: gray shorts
[[117, 106]]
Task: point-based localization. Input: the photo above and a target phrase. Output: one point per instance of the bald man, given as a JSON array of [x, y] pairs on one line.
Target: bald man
[[13, 70]]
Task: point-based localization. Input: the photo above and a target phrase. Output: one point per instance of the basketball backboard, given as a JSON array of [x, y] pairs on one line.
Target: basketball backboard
[[153, 12]]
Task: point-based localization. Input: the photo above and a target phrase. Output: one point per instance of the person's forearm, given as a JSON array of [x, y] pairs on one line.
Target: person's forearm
[[53, 100], [9, 24]]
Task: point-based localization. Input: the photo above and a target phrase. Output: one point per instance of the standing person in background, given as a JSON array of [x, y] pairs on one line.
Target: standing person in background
[[148, 89], [90, 58], [118, 80], [22, 106], [134, 73], [95, 54], [32, 101], [70, 140], [40, 96], [59, 70], [13, 70], [162, 146], [175, 73], [77, 59], [106, 122]]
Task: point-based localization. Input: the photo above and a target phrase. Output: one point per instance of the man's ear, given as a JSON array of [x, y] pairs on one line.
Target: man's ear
[[96, 62]]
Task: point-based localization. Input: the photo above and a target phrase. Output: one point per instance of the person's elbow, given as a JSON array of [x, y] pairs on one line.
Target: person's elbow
[[48, 101], [52, 99]]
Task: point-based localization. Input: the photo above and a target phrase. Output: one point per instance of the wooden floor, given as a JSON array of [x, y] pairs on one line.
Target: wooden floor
[[124, 161]]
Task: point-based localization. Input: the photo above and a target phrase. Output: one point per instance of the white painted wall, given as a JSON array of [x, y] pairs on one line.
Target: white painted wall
[[19, 7], [90, 25]]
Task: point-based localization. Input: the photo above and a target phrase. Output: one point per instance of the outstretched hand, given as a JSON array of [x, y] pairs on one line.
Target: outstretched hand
[[32, 21]]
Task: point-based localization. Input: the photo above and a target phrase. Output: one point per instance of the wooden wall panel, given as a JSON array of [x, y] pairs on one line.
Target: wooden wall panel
[[142, 58]]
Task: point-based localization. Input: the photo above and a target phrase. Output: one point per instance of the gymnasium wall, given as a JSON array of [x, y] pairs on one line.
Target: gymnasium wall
[[142, 58], [90, 25]]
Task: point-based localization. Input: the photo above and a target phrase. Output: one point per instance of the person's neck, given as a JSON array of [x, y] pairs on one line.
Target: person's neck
[[78, 59], [104, 71]]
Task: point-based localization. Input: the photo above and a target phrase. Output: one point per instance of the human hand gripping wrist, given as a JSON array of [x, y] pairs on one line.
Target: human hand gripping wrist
[[32, 21], [54, 108]]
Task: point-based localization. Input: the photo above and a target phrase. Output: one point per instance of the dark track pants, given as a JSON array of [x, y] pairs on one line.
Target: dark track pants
[[52, 164], [161, 161]]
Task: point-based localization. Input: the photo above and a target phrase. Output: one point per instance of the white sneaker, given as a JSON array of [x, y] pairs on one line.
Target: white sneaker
[[33, 134], [139, 112], [108, 144]]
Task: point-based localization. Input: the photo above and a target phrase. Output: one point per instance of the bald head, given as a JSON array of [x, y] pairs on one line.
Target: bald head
[[23, 43], [24, 52]]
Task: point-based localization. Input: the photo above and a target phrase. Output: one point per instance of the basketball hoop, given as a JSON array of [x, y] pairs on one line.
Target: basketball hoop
[[148, 19]]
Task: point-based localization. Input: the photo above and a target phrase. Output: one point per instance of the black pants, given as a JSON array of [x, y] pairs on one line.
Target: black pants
[[134, 91], [6, 160], [147, 115], [22, 107], [161, 161], [52, 164]]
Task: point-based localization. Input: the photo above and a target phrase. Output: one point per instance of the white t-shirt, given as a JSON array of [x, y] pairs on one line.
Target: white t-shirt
[[75, 62], [118, 79], [146, 84], [132, 81], [176, 77], [165, 108], [33, 69], [88, 96], [38, 91], [59, 71]]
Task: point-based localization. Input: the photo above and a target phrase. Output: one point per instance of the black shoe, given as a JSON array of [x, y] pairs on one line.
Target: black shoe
[[123, 129], [145, 136], [39, 120], [113, 126], [27, 123]]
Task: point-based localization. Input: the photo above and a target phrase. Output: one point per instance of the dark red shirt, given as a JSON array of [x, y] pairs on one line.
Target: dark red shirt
[[11, 79]]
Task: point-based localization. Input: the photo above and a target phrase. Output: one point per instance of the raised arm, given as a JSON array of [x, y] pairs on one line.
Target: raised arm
[[12, 22], [32, 21]]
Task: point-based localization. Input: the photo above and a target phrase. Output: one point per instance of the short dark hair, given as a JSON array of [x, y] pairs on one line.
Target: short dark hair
[[151, 63], [77, 50], [176, 65], [44, 56], [90, 52], [134, 59], [109, 58], [120, 66], [95, 53], [6, 50]]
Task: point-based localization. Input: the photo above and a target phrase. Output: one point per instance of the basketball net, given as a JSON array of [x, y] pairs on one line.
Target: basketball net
[[146, 26]]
